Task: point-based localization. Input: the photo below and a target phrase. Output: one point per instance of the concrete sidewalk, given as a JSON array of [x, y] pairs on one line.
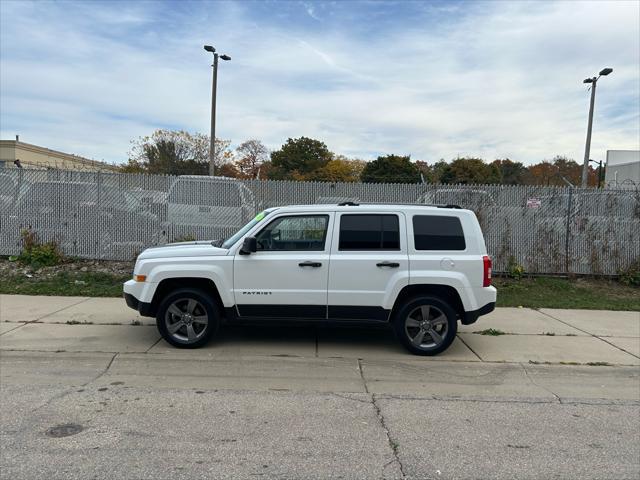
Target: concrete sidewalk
[[83, 324]]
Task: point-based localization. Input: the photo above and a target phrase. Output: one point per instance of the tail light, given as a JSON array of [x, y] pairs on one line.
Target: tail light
[[486, 274]]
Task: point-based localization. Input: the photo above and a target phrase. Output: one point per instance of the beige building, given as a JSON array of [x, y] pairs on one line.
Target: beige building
[[33, 156]]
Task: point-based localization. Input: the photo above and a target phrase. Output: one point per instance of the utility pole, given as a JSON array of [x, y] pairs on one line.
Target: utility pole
[[214, 87], [587, 148]]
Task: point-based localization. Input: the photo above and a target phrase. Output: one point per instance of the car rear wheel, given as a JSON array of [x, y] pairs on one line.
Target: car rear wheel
[[426, 325], [187, 318]]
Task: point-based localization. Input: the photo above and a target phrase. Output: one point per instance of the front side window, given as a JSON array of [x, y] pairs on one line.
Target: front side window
[[302, 232], [369, 232], [435, 232], [229, 242]]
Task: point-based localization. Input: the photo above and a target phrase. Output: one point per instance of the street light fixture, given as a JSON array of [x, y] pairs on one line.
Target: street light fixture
[[587, 148], [214, 86]]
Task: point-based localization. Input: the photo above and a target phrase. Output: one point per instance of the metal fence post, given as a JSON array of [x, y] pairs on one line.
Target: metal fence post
[[568, 232], [98, 243]]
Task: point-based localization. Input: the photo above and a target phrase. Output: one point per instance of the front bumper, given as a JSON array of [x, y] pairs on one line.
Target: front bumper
[[143, 308], [471, 317]]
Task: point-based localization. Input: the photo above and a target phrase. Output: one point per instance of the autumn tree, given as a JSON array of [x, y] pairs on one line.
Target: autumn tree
[[511, 173], [299, 159], [250, 155], [175, 153], [391, 169], [264, 172], [543, 173], [434, 173], [228, 169], [569, 169], [558, 172], [340, 169], [471, 171]]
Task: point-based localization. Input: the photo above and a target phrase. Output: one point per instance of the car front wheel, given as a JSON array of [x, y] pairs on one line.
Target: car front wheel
[[187, 318], [426, 325]]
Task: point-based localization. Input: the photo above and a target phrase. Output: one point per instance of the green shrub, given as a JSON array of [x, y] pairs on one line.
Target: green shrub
[[631, 275], [36, 254], [514, 269]]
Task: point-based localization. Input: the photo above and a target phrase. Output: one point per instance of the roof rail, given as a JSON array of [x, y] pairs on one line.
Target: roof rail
[[436, 205]]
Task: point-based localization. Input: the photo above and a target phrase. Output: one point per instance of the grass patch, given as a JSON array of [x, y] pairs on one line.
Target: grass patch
[[394, 445], [491, 331], [82, 284], [546, 292]]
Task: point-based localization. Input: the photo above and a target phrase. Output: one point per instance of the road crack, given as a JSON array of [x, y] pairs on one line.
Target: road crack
[[393, 444], [526, 374], [106, 369], [73, 389]]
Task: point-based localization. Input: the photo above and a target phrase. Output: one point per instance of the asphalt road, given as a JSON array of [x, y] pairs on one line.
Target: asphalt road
[[158, 416]]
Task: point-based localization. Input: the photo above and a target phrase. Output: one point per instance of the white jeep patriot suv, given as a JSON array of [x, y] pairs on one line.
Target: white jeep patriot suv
[[421, 268]]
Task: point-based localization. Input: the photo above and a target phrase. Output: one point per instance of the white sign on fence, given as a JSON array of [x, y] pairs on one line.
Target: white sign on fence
[[533, 203]]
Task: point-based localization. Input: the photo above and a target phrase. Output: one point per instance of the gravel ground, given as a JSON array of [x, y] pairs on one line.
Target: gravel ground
[[8, 267]]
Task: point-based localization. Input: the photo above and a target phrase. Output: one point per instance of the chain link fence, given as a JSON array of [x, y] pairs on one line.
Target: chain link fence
[[114, 216]]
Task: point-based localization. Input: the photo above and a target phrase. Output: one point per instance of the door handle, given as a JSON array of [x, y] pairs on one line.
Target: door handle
[[310, 264], [388, 264]]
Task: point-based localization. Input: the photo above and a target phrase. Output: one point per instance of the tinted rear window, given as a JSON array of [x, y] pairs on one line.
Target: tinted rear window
[[369, 232], [431, 232]]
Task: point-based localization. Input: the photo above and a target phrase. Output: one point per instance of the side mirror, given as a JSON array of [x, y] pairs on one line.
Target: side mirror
[[249, 246]]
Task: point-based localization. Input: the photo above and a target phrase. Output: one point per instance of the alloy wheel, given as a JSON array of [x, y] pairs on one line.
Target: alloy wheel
[[186, 320], [426, 327]]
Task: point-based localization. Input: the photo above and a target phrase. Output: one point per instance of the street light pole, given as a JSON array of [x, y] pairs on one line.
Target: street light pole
[[214, 87], [587, 148], [212, 140]]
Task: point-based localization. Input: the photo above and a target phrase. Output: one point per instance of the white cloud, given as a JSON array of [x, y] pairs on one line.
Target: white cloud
[[502, 80]]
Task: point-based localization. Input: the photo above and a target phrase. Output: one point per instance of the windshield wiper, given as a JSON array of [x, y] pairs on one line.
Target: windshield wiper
[[217, 243]]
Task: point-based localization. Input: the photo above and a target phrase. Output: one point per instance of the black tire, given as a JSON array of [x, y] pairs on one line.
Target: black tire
[[182, 300], [442, 322]]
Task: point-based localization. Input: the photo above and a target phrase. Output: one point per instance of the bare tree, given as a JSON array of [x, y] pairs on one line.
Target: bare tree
[[250, 156], [175, 152]]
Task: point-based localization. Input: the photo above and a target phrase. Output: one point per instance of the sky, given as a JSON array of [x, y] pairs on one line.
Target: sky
[[435, 79]]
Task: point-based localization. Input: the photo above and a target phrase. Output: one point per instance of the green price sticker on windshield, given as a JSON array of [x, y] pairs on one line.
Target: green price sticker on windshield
[[259, 216]]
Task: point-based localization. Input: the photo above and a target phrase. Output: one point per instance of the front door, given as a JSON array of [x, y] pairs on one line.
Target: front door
[[287, 276]]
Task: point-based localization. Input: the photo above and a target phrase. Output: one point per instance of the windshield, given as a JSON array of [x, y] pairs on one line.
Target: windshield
[[228, 243]]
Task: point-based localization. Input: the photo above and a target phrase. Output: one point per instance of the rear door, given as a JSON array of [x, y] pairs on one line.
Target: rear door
[[447, 245], [368, 259], [287, 276]]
